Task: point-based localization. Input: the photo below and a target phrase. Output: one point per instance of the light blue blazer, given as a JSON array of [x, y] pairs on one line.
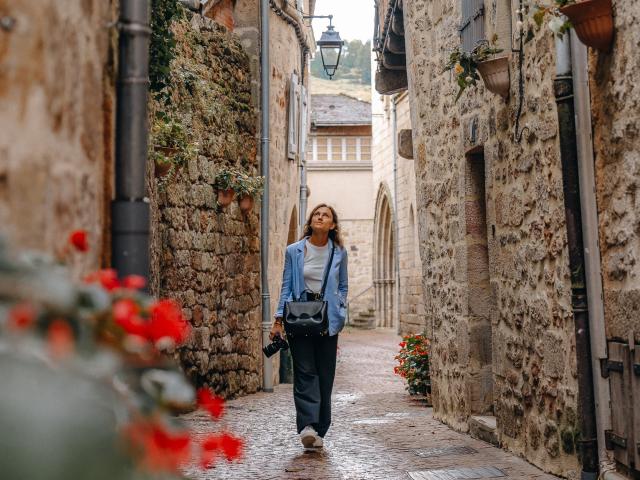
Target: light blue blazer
[[337, 283]]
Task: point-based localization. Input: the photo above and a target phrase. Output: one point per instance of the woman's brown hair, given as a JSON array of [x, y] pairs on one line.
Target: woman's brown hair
[[333, 234]]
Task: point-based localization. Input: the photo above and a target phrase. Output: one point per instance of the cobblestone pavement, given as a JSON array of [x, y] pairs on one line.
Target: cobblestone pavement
[[377, 428]]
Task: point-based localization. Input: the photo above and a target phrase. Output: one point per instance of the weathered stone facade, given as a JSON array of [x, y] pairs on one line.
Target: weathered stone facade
[[56, 115], [410, 294], [208, 257], [493, 241], [616, 123]]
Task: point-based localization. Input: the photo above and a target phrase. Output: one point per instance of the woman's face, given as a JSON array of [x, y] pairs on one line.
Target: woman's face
[[322, 220]]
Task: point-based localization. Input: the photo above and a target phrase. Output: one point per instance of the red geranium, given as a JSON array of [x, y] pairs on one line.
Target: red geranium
[[211, 403], [108, 278], [167, 321], [134, 282], [159, 449], [21, 316], [78, 239], [60, 339]]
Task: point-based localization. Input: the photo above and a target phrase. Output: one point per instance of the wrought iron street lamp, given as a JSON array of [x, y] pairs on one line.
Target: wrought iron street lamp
[[330, 45]]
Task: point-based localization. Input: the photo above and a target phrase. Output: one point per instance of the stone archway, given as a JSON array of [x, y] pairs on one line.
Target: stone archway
[[384, 262], [292, 236]]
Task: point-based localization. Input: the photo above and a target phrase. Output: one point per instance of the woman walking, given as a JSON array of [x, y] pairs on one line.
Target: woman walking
[[314, 357]]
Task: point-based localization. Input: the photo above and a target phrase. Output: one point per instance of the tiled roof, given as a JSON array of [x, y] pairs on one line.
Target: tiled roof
[[339, 110]]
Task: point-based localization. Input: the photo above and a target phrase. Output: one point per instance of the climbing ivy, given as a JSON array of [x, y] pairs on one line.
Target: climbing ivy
[[163, 43]]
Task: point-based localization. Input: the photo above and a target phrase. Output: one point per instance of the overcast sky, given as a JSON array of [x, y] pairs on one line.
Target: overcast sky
[[352, 18]]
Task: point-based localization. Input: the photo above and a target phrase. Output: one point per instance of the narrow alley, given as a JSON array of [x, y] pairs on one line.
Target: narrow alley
[[378, 432]]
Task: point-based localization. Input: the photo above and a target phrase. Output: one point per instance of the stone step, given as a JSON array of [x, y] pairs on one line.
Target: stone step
[[483, 427]]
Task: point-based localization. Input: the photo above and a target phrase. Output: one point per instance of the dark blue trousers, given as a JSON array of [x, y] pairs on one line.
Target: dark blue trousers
[[314, 368]]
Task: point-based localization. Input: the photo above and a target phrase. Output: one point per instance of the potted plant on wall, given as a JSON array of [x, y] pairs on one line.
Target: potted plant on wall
[[169, 147], [468, 66], [591, 19], [248, 188], [225, 183]]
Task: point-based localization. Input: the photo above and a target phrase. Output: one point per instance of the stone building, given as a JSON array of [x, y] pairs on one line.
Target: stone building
[[397, 273], [206, 257], [492, 228], [339, 165], [57, 98]]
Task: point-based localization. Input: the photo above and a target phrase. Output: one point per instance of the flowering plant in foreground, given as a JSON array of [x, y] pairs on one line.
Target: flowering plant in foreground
[[87, 363], [413, 364]]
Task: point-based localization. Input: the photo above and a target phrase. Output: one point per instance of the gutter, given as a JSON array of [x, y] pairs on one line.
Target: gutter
[[130, 217], [396, 247], [265, 69], [563, 89], [593, 269]]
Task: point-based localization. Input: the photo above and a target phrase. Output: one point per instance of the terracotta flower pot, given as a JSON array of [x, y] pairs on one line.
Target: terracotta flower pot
[[162, 168], [225, 197], [246, 203], [593, 22], [495, 74]]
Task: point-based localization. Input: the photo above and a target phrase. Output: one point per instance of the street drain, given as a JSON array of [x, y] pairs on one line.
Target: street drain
[[372, 421], [458, 473], [441, 451]]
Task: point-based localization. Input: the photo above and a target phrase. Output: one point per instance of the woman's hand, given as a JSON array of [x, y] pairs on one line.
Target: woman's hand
[[276, 329]]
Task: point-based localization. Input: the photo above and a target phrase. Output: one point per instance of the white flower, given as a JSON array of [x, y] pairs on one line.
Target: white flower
[[468, 79], [555, 24], [519, 25]]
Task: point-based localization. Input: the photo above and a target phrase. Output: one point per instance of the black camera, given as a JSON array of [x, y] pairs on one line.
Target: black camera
[[274, 347]]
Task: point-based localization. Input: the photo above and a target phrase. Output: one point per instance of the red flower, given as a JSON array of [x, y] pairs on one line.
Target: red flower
[[78, 239], [402, 344], [158, 449], [21, 316], [211, 403], [126, 313], [167, 322], [108, 278], [134, 282], [60, 339], [231, 447]]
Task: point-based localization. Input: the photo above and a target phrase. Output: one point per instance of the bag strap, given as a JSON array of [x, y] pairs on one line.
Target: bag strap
[[326, 274]]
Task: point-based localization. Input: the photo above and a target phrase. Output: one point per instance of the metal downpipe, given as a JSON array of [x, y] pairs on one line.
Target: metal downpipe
[[396, 248], [130, 209], [593, 269], [265, 68], [563, 89]]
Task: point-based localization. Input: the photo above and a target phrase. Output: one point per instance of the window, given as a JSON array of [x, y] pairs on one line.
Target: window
[[365, 149], [472, 25], [294, 99], [320, 149]]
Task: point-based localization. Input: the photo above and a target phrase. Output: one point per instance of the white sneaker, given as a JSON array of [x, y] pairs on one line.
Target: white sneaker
[[319, 443], [309, 437]]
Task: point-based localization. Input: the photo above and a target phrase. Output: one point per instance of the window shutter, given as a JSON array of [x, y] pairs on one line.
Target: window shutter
[[293, 116], [304, 119], [472, 26]]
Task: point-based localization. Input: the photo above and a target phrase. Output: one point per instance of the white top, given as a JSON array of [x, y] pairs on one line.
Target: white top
[[315, 261]]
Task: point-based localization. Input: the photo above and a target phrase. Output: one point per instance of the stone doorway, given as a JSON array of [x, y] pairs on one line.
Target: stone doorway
[[384, 267], [480, 371]]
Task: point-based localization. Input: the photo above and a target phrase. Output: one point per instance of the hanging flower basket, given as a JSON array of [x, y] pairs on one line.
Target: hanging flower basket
[[246, 203], [225, 197], [593, 22], [495, 74]]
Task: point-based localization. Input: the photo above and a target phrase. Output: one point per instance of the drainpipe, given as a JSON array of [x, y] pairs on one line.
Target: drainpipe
[[265, 68], [394, 129], [563, 89], [579, 60], [130, 218]]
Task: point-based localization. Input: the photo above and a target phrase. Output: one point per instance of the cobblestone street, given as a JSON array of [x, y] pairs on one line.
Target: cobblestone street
[[378, 431]]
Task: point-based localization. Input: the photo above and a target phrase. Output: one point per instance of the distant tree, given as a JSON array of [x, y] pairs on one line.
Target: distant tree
[[355, 63]]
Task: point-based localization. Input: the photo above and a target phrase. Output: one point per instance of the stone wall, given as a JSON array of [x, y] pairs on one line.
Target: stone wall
[[411, 311], [205, 256], [616, 124], [510, 351], [56, 111]]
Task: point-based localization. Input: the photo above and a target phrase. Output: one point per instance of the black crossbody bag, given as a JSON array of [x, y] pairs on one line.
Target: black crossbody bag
[[308, 318]]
